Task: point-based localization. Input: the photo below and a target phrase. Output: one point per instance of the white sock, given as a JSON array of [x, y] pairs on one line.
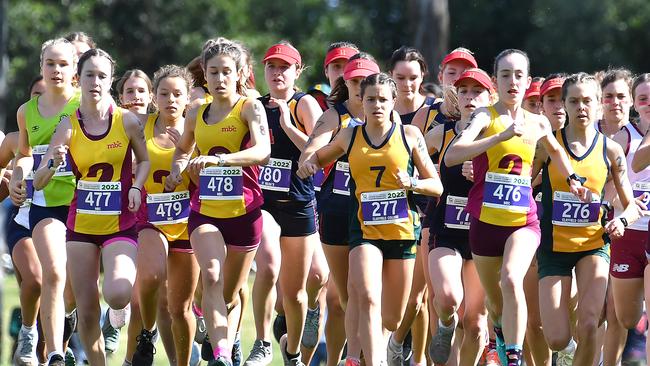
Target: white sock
[[451, 326], [394, 343], [27, 329]]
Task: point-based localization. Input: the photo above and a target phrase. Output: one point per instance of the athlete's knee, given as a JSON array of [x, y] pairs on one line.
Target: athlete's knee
[[446, 304], [31, 286], [558, 341], [212, 277], [317, 277], [511, 284], [54, 276], [118, 294], [391, 321], [587, 328], [297, 297], [628, 321], [267, 274], [334, 305], [474, 327], [179, 311]]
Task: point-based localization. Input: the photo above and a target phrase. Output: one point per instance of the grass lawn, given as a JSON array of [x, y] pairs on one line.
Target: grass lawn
[[11, 300]]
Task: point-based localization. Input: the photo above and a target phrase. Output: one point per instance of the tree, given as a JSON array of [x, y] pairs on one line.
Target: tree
[[430, 23]]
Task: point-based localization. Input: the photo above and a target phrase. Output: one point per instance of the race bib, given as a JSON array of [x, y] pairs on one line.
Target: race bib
[[384, 207], [168, 208], [455, 215], [219, 183], [642, 188], [342, 178], [507, 192], [99, 198], [319, 178], [64, 169], [276, 175], [568, 210]]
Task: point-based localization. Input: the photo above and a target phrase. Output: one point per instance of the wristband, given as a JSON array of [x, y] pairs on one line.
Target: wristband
[[624, 221], [414, 183], [575, 177], [138, 189]]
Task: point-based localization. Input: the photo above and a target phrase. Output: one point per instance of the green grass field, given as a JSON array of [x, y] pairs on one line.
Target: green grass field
[[11, 300]]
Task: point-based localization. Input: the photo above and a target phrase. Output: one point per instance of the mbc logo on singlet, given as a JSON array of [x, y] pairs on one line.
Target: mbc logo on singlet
[[230, 128], [621, 268], [114, 145]]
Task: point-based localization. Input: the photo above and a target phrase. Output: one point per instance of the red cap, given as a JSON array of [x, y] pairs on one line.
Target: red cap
[[359, 67], [460, 55], [283, 52], [338, 54], [551, 84], [533, 90], [477, 75]]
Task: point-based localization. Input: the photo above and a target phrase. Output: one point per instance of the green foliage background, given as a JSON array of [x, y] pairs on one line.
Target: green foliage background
[[559, 35]]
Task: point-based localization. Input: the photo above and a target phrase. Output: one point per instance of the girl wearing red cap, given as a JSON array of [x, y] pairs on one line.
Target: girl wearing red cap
[[640, 165], [289, 201], [408, 69], [381, 155], [338, 54], [504, 231], [551, 98], [453, 275], [346, 112], [531, 101], [225, 219]]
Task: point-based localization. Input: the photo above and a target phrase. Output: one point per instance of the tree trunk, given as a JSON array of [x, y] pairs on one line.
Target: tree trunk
[[4, 63], [430, 29]]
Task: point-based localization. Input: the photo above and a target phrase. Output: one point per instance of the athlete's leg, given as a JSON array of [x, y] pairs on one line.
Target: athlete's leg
[[210, 251], [474, 317], [591, 276], [334, 325], [152, 273], [396, 275], [415, 299], [628, 300], [28, 270], [296, 260], [182, 276], [268, 270], [49, 240], [366, 262], [236, 269], [536, 345], [118, 259], [519, 251], [554, 299], [83, 263]]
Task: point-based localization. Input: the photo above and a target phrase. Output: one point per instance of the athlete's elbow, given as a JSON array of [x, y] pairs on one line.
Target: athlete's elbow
[[451, 157], [637, 166]]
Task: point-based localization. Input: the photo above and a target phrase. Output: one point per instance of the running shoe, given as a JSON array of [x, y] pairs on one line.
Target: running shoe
[[70, 359], [394, 353], [145, 349], [492, 358], [310, 333], [119, 317], [565, 356], [220, 361], [236, 355], [441, 343], [261, 354], [69, 325], [56, 360], [407, 349], [25, 354], [295, 361], [111, 334], [279, 327]]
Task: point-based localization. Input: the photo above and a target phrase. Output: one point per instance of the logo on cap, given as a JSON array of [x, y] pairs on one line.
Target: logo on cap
[[278, 49]]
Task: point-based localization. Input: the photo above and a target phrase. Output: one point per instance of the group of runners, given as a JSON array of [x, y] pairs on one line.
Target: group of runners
[[475, 227]]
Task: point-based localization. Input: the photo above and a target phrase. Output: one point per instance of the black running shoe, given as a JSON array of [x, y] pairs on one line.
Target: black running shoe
[[145, 349]]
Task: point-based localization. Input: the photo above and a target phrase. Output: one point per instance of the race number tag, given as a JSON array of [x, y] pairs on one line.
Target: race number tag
[[507, 192], [319, 178], [219, 183], [384, 207], [455, 215], [642, 188], [64, 169], [99, 198], [168, 208], [568, 210], [342, 178], [276, 175]]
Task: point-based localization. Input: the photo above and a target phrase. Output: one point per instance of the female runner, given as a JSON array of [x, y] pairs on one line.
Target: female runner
[[504, 230], [382, 155], [37, 120], [408, 69], [288, 200], [164, 250], [225, 222], [100, 140], [572, 232], [453, 274], [346, 112]]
